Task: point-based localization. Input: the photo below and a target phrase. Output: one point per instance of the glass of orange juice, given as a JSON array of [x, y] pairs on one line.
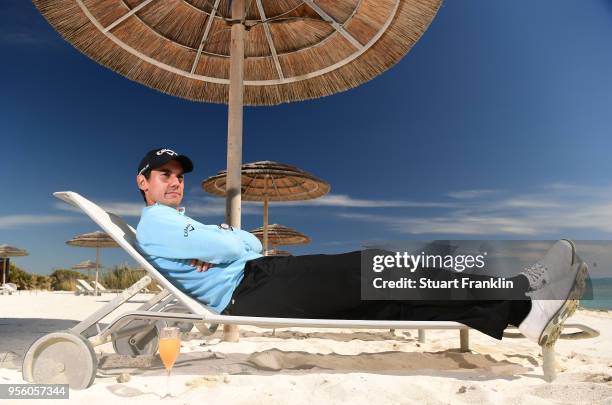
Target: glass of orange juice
[[169, 348]]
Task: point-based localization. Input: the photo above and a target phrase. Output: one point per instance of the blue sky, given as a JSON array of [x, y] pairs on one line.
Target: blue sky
[[496, 125]]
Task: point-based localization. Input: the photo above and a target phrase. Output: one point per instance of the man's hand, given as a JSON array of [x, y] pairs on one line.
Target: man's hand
[[200, 266]]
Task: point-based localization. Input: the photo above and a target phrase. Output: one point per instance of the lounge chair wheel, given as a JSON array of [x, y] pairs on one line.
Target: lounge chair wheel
[[137, 337], [184, 326], [61, 358]]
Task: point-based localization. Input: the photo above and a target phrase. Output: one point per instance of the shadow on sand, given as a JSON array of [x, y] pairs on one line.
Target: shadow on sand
[[452, 363], [17, 334]]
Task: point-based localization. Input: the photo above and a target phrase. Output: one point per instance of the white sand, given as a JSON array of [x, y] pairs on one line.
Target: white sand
[[315, 366]]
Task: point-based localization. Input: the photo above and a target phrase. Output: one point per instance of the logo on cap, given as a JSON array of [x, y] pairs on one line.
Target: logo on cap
[[157, 157], [166, 151]]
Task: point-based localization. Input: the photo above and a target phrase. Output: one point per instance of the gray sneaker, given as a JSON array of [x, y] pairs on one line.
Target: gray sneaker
[[557, 300], [538, 276]]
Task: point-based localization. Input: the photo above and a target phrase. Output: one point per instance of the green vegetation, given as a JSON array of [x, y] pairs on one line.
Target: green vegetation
[[121, 277], [117, 278], [65, 279], [27, 281]]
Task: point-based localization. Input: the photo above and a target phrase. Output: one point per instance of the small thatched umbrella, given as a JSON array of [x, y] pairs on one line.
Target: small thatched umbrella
[[7, 251], [97, 239], [86, 265], [279, 235], [270, 181]]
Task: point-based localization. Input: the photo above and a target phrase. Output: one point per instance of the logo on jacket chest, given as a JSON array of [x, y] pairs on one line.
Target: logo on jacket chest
[[188, 229]]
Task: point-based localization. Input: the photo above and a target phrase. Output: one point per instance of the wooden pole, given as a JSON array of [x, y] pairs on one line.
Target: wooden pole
[[234, 132], [97, 269], [3, 274], [265, 233], [265, 224], [464, 340]]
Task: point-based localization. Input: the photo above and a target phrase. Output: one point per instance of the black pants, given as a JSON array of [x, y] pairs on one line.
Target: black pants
[[329, 287]]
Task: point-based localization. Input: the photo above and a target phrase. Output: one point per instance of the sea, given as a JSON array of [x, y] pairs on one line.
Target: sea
[[602, 294]]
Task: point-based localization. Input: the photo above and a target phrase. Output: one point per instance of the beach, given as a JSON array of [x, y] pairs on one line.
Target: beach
[[310, 366]]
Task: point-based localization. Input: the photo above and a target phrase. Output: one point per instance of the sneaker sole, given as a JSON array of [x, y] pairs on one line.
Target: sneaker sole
[[573, 249], [553, 329]]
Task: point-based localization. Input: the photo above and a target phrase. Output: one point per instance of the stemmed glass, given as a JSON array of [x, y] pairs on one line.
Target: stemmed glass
[[169, 348]]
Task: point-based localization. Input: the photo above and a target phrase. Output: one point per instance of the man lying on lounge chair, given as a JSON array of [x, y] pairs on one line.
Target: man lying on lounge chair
[[224, 268]]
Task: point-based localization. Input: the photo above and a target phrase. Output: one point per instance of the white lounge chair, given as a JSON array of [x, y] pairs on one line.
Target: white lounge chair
[[101, 288], [135, 332], [80, 290], [88, 289], [8, 288]]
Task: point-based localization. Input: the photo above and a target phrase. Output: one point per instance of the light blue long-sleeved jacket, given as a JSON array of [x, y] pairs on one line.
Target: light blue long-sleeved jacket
[[169, 240]]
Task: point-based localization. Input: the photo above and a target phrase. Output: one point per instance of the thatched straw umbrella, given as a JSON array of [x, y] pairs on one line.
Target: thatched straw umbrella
[[7, 251], [97, 239], [279, 235], [277, 50], [270, 181], [222, 51], [86, 265]]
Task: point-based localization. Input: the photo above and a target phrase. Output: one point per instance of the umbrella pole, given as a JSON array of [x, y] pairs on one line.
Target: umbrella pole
[[3, 273], [265, 224], [97, 269], [234, 131]]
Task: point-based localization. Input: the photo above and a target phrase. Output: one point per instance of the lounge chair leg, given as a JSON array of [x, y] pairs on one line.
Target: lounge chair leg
[[549, 363], [421, 335], [231, 333], [464, 340]]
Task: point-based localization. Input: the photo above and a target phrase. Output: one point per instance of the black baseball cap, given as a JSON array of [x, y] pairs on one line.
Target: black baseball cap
[[157, 157]]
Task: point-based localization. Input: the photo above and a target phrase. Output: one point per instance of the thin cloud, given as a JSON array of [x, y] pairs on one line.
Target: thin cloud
[[451, 224], [123, 209], [525, 251], [351, 242], [21, 25], [201, 207], [329, 200], [528, 215], [531, 203], [343, 200], [126, 209], [16, 221], [562, 186], [471, 194], [214, 206], [22, 38]]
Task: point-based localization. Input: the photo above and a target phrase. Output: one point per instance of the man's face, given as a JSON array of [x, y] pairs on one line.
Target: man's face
[[165, 184]]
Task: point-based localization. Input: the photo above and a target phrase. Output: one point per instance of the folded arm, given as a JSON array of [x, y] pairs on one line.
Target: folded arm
[[181, 237]]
